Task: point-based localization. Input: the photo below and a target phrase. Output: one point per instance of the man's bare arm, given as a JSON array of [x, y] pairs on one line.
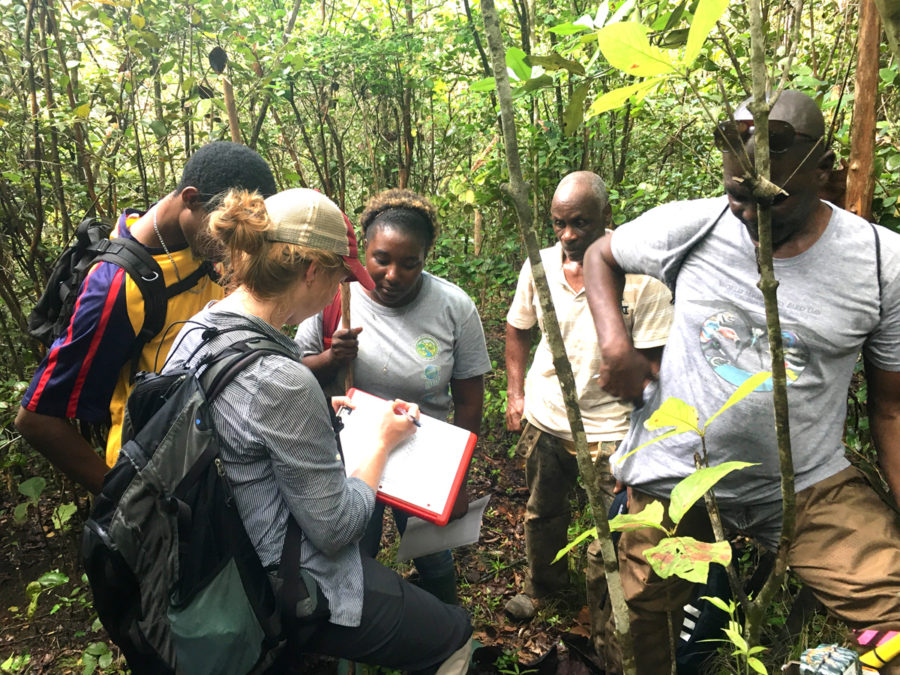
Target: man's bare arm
[[625, 371], [884, 421], [59, 441], [518, 346]]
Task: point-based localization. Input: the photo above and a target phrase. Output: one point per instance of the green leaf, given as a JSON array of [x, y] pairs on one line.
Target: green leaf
[[748, 387], [97, 649], [485, 84], [651, 516], [83, 110], [62, 514], [626, 47], [687, 558], [572, 544], [556, 62], [674, 413], [705, 17], [718, 602], [515, 61], [887, 75], [757, 665], [674, 38], [53, 579], [20, 513], [138, 21], [33, 487], [736, 639], [693, 487], [33, 591], [567, 29], [535, 83], [675, 16], [158, 127], [574, 114], [617, 97]]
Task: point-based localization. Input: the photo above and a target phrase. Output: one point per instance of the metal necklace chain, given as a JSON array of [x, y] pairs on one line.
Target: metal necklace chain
[[165, 248]]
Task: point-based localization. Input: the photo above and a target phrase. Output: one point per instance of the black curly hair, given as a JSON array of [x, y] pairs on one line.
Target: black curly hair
[[221, 166], [406, 210]]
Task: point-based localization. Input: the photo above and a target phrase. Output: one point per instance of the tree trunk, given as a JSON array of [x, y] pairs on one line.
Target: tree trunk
[[517, 190], [861, 174]]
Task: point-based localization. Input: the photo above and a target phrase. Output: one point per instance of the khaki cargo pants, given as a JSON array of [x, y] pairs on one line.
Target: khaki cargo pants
[[551, 472], [846, 549]]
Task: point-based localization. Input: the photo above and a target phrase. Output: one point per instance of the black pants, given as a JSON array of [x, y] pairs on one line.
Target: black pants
[[402, 626]]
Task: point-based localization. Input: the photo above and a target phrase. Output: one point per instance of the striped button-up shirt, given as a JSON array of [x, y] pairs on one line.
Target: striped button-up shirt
[[281, 457]]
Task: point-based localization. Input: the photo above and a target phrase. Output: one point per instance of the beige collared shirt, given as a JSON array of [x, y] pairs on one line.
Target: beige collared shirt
[[647, 310]]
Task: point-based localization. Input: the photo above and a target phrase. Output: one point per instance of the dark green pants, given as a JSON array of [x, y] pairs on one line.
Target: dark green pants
[[551, 472]]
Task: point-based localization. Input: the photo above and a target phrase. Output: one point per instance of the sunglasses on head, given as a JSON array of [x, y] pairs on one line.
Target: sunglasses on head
[[732, 134]]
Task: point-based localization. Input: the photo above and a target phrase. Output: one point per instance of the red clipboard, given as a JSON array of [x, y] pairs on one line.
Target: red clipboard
[[424, 474]]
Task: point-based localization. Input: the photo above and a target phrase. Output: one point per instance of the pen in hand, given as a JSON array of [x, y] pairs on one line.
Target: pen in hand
[[413, 419]]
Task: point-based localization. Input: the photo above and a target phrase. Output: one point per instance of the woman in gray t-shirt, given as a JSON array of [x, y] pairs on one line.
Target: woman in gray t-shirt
[[416, 336]]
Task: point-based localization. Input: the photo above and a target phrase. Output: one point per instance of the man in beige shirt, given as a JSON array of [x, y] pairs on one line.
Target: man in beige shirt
[[580, 214]]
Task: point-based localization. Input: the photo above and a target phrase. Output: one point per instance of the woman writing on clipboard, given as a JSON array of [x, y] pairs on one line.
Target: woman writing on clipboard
[[415, 336], [278, 449]]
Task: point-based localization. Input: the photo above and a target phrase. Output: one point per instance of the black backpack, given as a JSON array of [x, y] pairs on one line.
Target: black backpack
[[176, 580], [50, 317]]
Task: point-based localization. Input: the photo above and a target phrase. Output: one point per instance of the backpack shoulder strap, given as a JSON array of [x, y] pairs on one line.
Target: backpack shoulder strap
[[146, 273], [216, 376], [220, 369]]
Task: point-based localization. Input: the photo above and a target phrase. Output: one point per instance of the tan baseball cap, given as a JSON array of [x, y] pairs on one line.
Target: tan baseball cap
[[309, 218]]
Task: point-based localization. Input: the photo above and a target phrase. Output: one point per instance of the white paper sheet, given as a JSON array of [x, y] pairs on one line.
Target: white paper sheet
[[422, 537]]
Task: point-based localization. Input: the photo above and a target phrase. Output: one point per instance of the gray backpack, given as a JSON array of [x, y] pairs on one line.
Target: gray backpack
[[176, 580]]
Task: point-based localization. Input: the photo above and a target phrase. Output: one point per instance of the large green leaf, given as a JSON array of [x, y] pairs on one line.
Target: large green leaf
[[692, 488], [574, 114], [651, 516], [484, 84], [535, 83], [33, 487], [617, 97], [572, 544], [687, 558], [515, 60], [674, 413], [748, 387], [626, 47], [567, 29], [556, 62], [705, 17]]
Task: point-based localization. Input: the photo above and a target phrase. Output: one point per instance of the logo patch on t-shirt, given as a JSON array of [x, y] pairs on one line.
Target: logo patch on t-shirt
[[427, 347], [735, 345]]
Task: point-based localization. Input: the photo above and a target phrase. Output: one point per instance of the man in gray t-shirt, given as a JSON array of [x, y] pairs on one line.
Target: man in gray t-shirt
[[838, 294]]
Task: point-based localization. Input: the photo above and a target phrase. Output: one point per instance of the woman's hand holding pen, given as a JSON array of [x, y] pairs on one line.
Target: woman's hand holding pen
[[398, 423]]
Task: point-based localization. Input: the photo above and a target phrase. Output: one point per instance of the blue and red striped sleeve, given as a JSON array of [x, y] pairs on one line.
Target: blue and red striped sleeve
[[78, 375]]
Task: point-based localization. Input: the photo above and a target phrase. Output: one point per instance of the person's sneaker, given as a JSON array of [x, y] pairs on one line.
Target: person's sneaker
[[520, 608]]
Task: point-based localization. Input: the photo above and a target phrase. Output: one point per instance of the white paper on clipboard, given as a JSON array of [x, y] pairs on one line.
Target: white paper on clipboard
[[423, 470]]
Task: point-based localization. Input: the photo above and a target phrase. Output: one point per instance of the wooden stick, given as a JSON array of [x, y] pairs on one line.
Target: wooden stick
[[345, 323], [230, 106]]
